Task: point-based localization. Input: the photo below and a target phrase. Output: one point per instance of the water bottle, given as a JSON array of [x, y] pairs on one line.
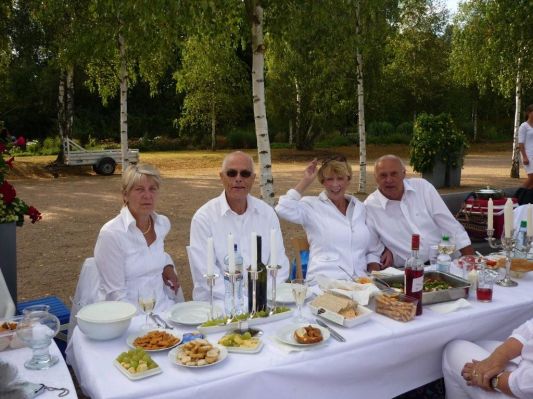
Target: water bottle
[[445, 249], [521, 239], [238, 285]]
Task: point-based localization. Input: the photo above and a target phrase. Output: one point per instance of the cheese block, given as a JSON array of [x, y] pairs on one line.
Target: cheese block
[[337, 304]]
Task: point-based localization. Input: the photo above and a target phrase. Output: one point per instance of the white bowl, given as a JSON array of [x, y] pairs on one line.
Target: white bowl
[[105, 320]]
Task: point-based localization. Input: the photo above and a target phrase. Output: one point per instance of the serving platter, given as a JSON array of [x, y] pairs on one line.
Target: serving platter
[[286, 334], [173, 357], [137, 376], [363, 315], [251, 322], [130, 340], [191, 313]]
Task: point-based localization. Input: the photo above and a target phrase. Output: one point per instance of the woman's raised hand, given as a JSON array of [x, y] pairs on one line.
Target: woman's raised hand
[[309, 176]]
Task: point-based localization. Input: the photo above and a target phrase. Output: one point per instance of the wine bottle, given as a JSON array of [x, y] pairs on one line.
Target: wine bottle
[[261, 283], [414, 274]]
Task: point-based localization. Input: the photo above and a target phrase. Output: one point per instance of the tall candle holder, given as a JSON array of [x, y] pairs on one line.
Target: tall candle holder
[[233, 278], [210, 278], [254, 275], [273, 271], [508, 244]]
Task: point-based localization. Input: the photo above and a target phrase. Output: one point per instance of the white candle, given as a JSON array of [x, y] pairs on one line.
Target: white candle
[[231, 254], [508, 217], [210, 256], [529, 220], [253, 251], [490, 215], [273, 249]]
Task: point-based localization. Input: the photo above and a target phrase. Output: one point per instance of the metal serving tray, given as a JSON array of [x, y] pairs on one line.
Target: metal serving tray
[[459, 288]]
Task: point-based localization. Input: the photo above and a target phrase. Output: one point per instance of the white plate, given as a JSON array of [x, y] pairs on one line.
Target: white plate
[[251, 322], [132, 338], [173, 356], [364, 314], [191, 313], [137, 376], [286, 334], [284, 294], [238, 349]]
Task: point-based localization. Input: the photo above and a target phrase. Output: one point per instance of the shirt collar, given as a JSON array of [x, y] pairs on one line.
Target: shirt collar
[[225, 208], [324, 197], [128, 219], [383, 201]]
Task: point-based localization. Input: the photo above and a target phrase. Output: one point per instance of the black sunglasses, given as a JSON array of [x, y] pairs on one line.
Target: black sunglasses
[[339, 158], [233, 173]]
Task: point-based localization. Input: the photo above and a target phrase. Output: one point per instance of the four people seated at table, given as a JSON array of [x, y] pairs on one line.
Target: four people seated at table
[[401, 207], [130, 249], [490, 369], [233, 211], [333, 221]]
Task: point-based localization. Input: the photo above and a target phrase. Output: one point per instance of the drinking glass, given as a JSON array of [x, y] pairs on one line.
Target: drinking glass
[[485, 283], [36, 330], [146, 299], [299, 291]]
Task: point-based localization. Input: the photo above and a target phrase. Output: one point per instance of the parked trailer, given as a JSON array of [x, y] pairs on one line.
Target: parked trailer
[[103, 162]]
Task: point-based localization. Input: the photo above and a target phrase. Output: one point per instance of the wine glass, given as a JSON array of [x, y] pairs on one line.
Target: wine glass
[[146, 299], [36, 330], [299, 291]]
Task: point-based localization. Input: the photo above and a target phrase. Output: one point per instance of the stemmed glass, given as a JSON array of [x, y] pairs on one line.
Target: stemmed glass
[[299, 291], [146, 299]]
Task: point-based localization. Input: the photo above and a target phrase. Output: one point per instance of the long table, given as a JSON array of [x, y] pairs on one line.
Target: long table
[[382, 358], [57, 376]]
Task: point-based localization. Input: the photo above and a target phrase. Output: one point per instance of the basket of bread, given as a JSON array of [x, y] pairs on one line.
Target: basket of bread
[[340, 309]]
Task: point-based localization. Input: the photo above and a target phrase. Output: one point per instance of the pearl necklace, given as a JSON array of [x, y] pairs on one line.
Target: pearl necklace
[[149, 226]]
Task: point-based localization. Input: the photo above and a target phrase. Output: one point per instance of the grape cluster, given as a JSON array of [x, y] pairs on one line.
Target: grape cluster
[[136, 361]]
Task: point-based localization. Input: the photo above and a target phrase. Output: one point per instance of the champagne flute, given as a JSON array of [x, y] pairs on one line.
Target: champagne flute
[[146, 299], [299, 291]]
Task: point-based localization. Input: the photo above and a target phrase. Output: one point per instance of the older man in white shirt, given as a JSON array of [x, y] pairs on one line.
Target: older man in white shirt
[[401, 207], [234, 211]]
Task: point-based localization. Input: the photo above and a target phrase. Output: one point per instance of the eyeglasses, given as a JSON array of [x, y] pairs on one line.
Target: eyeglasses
[[338, 158], [233, 173]]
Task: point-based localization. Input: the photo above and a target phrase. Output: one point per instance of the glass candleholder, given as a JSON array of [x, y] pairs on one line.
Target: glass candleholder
[[210, 278], [273, 271]]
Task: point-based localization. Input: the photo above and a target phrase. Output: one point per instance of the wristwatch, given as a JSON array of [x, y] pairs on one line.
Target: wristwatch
[[494, 382]]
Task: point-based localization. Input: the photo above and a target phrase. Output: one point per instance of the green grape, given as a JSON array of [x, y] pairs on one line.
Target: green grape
[[246, 335]]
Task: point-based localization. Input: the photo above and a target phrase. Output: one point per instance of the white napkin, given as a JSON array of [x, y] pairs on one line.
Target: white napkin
[[448, 307], [389, 271], [360, 293], [285, 348]]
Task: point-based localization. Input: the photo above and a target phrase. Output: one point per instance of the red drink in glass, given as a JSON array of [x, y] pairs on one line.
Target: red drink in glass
[[484, 294]]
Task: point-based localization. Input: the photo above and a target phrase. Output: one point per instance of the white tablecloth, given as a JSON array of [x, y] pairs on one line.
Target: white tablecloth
[[56, 376], [381, 358]]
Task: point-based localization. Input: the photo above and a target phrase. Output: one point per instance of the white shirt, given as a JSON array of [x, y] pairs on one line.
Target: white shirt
[[525, 136], [126, 262], [420, 211], [334, 239], [216, 219], [521, 379]]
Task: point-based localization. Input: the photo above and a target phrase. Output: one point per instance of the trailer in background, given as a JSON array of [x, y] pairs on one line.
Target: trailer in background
[[103, 162]]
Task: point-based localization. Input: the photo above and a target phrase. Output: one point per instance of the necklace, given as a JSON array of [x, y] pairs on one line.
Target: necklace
[[149, 226]]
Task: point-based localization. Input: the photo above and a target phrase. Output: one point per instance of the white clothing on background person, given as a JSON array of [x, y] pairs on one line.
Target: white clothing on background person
[[420, 211], [216, 219], [334, 239], [459, 352], [126, 262], [525, 136]]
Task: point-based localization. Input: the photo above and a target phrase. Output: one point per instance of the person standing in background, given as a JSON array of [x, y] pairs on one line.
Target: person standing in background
[[525, 145]]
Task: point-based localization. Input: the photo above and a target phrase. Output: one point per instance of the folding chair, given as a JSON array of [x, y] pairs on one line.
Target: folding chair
[[300, 245]]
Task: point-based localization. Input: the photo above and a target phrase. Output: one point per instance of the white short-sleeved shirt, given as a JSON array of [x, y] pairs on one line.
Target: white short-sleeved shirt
[[525, 136], [334, 239], [126, 262], [420, 211]]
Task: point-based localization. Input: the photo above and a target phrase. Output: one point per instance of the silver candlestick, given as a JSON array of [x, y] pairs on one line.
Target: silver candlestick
[[254, 275], [273, 271], [210, 278], [232, 278], [508, 244]]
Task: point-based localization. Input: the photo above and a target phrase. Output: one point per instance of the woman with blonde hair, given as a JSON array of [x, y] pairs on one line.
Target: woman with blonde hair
[[333, 221], [129, 252]]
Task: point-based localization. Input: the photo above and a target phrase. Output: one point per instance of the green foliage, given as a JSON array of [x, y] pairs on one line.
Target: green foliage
[[159, 143], [334, 140], [238, 139], [395, 138], [405, 129], [376, 128], [436, 137]]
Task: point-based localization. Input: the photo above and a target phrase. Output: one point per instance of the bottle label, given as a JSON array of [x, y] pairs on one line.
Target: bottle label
[[418, 284]]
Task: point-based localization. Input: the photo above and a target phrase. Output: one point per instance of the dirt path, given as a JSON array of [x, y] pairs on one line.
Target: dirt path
[[78, 203]]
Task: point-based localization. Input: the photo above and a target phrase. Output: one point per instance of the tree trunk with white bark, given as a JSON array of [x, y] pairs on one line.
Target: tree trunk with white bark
[[266, 181], [123, 102], [515, 162], [361, 110], [61, 115], [70, 101]]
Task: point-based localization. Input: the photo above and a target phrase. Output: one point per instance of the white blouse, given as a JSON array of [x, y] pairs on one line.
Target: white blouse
[[126, 262], [334, 239]]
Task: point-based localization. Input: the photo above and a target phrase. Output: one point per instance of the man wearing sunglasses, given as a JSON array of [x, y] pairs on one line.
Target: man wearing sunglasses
[[401, 207], [237, 212]]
